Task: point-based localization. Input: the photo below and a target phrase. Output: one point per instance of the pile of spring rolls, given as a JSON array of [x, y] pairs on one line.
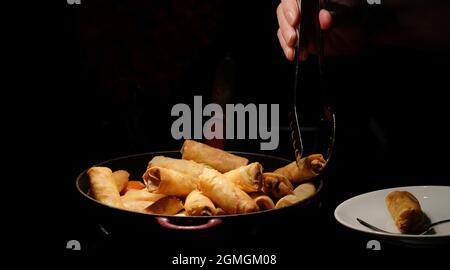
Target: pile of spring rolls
[[206, 181]]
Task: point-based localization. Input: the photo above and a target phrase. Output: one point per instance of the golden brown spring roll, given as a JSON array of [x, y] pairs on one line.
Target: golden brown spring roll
[[305, 190], [308, 168], [166, 206], [197, 204], [102, 186], [136, 206], [300, 193], [167, 181], [216, 158], [263, 201], [248, 178], [406, 212], [121, 179], [188, 167], [139, 199], [287, 201], [224, 193], [141, 195], [181, 214], [220, 212], [276, 185]]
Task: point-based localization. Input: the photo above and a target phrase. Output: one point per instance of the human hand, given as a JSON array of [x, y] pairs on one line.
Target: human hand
[[340, 20]]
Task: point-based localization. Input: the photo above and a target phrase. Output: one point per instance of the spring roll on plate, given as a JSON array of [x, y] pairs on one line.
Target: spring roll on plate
[[170, 182], [406, 212], [216, 158], [224, 193], [103, 187]]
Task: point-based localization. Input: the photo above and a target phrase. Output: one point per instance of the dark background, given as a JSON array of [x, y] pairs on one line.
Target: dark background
[[115, 70]]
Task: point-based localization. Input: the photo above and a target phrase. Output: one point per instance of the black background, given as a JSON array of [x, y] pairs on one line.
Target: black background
[[111, 71]]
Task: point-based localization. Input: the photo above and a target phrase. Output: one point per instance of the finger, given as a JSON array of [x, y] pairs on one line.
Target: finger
[[325, 19], [304, 55], [287, 31], [291, 11], [288, 51], [336, 14]]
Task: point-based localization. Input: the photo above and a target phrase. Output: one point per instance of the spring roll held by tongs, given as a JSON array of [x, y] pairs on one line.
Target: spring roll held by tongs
[[304, 170]]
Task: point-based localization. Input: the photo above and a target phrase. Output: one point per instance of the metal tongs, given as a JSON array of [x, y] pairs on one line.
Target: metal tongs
[[327, 123]]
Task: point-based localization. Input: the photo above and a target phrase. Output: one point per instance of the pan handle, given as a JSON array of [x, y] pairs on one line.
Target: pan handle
[[164, 222]]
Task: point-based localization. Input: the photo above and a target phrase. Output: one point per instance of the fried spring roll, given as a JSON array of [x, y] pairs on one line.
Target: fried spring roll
[[181, 214], [141, 195], [220, 212], [139, 199], [188, 167], [197, 204], [406, 212], [102, 186], [224, 193], [263, 201], [136, 206], [305, 190], [308, 168], [287, 201], [121, 178], [166, 206], [300, 193], [276, 185], [248, 178], [216, 158], [170, 182]]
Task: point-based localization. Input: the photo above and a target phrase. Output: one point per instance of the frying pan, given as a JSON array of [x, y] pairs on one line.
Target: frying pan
[[119, 220]]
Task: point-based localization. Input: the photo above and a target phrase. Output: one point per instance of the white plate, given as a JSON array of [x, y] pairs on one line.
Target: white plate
[[371, 207]]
